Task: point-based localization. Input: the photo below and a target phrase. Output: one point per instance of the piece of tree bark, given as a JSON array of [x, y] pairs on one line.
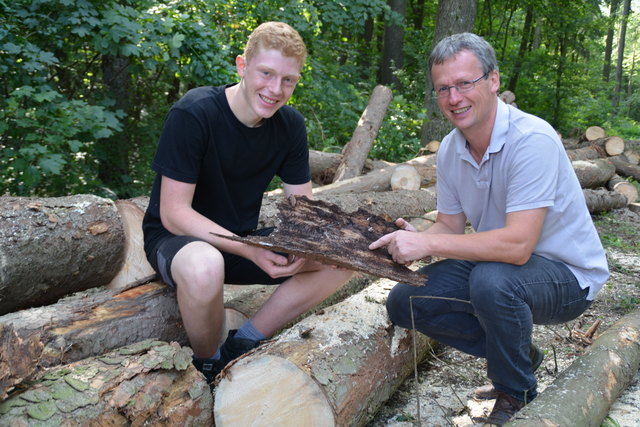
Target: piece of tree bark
[[380, 180], [323, 232], [388, 204], [602, 200], [51, 247], [357, 149], [583, 394], [148, 383], [620, 185], [624, 168], [405, 177], [340, 366], [135, 268], [593, 173]]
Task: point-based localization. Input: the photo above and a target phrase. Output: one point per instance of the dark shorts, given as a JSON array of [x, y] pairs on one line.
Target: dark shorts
[[237, 270]]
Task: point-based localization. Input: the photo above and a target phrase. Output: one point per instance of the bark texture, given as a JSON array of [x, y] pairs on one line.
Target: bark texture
[[593, 173], [149, 383], [341, 365], [602, 200], [51, 247], [323, 232]]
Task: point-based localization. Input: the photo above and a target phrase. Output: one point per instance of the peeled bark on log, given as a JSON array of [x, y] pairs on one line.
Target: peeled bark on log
[[93, 322], [390, 204], [379, 180], [357, 150], [583, 394], [593, 173], [620, 185], [51, 247], [135, 268], [624, 168], [602, 200], [340, 366], [589, 152], [149, 383]]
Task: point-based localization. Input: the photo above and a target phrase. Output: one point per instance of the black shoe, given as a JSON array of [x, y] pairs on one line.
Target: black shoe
[[488, 392], [503, 410], [210, 368], [234, 347]]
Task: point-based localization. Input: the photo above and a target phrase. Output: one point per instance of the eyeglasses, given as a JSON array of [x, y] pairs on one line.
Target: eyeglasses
[[444, 91]]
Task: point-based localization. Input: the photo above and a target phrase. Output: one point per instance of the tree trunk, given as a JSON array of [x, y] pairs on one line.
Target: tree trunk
[[611, 145], [592, 133], [135, 269], [606, 68], [323, 166], [340, 366], [602, 200], [593, 173], [149, 383], [583, 394], [51, 247], [392, 47], [454, 16], [589, 152], [357, 150], [617, 92]]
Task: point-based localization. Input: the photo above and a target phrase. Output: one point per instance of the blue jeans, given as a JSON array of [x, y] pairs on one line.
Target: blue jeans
[[493, 315]]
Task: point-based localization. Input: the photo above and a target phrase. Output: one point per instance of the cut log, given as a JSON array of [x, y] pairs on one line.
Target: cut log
[[51, 247], [583, 394], [593, 173], [135, 268], [340, 366], [405, 177], [357, 149], [624, 168], [431, 147], [589, 152], [380, 180], [592, 133], [149, 383], [323, 232], [620, 185], [390, 204], [602, 200], [633, 157], [508, 97]]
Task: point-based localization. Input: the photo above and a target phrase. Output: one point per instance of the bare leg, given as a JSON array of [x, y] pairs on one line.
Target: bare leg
[[198, 270], [297, 295]]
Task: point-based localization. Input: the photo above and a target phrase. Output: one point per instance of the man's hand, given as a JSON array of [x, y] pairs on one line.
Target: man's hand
[[276, 265], [404, 246]]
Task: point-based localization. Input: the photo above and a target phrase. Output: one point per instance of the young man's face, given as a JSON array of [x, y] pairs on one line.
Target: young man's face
[[472, 109], [268, 81]]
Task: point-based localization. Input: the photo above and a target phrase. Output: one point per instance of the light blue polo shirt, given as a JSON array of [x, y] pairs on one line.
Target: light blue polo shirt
[[525, 167]]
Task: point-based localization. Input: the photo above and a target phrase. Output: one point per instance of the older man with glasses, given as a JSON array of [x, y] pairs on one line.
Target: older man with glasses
[[534, 256]]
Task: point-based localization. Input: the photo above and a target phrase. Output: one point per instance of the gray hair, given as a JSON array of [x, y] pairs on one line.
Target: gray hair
[[449, 47]]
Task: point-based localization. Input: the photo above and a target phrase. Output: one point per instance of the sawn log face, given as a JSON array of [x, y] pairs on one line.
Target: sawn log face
[[323, 232]]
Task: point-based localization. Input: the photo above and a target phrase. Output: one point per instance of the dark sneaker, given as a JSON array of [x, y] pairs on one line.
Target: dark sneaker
[[209, 367], [234, 347], [488, 392], [503, 410]]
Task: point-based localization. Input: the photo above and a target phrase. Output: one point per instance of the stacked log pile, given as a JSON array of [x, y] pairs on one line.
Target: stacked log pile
[[83, 318]]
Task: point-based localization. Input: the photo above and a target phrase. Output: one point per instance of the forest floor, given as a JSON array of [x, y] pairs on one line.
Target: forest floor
[[447, 378]]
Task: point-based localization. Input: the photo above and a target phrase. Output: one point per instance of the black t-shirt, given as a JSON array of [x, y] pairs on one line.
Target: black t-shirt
[[203, 143]]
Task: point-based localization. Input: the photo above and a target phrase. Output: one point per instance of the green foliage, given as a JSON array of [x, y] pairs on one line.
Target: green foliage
[[86, 84]]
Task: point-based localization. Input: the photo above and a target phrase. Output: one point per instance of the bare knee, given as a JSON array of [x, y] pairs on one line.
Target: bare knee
[[198, 271]]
